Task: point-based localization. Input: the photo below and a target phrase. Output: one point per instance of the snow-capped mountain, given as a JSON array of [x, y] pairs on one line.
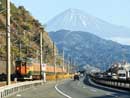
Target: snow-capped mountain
[[77, 20]]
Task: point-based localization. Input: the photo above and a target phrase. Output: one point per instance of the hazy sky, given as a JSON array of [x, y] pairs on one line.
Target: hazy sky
[[113, 11]]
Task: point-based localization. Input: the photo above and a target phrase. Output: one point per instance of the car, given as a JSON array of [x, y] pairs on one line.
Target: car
[[76, 77], [114, 76], [122, 74]]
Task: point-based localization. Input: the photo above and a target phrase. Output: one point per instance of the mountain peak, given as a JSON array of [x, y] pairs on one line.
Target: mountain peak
[[77, 20], [70, 19], [73, 10]]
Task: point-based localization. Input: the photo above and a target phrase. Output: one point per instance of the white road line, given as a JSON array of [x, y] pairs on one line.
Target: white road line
[[58, 90], [93, 90], [18, 95]]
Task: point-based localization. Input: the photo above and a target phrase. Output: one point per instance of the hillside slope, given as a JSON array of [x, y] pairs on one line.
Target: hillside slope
[[86, 48], [25, 36]]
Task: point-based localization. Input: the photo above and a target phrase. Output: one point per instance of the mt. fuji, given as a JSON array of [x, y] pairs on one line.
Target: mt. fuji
[[77, 20]]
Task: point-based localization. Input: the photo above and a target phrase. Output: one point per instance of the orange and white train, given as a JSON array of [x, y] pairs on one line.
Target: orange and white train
[[28, 70]]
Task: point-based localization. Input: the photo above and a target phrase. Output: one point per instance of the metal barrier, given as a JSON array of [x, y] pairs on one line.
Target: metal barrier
[[9, 90], [122, 84]]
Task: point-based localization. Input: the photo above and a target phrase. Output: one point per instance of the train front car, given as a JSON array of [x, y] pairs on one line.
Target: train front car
[[23, 70]]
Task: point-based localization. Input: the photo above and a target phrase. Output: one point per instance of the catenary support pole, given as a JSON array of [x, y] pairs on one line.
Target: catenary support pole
[[63, 61], [41, 57], [8, 63]]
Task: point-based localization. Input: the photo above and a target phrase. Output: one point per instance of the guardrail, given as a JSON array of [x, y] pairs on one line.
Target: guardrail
[[121, 84], [9, 90]]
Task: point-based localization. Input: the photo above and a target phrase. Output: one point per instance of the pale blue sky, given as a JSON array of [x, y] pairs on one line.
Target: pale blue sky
[[113, 11]]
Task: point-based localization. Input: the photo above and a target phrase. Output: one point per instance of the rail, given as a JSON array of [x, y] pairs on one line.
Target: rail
[[9, 90], [121, 84]]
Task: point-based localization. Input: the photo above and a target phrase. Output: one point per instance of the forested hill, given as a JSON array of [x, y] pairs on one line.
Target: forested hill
[[25, 35]]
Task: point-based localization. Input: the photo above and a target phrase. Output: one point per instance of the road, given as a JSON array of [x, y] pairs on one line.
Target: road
[[84, 88], [45, 91], [87, 89]]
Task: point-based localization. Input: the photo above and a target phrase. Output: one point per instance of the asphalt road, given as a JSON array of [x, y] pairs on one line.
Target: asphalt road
[[84, 88], [45, 91]]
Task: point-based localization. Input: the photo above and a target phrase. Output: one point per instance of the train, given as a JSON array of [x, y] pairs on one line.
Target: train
[[26, 70]]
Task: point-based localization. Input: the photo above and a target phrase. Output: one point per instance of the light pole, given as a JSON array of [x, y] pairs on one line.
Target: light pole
[[8, 41]]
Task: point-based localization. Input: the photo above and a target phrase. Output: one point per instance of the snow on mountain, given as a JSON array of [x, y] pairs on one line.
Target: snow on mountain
[[77, 20]]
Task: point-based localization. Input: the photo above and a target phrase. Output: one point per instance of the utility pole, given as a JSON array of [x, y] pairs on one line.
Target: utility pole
[[63, 61], [0, 6], [68, 64], [54, 58], [41, 32], [8, 55], [20, 49], [68, 67], [43, 70]]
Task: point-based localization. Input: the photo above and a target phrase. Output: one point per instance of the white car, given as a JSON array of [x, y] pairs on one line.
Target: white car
[[122, 74], [114, 76]]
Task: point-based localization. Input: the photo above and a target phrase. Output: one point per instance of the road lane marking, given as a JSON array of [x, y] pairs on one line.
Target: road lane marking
[[93, 90], [84, 87], [18, 95], [108, 94], [58, 90]]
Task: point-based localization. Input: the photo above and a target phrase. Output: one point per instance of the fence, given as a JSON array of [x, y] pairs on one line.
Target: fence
[[121, 84], [9, 90]]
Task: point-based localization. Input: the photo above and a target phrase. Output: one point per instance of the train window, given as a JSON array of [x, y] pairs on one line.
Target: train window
[[122, 75], [18, 63], [29, 64], [23, 64]]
